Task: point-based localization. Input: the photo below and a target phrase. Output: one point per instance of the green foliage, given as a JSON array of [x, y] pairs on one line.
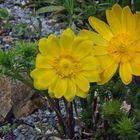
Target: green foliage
[[16, 61], [3, 13], [5, 18], [26, 52], [137, 117], [6, 129], [20, 29], [136, 6], [125, 127], [41, 127], [86, 116], [46, 9], [76, 12], [113, 120], [69, 5], [21, 58], [58, 7], [6, 58], [6, 62], [111, 109]]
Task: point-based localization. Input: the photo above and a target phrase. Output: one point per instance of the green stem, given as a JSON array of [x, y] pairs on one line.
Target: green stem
[[70, 119], [59, 116], [19, 77]]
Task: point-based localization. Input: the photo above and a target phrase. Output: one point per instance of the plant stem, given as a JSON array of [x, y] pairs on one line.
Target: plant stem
[[19, 77], [75, 108], [70, 119], [58, 113], [59, 110], [94, 113], [105, 136]]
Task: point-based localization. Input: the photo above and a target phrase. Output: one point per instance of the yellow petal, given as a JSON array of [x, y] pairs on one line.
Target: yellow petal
[[51, 87], [66, 39], [105, 61], [100, 50], [135, 68], [42, 62], [128, 20], [96, 38], [81, 93], [81, 82], [42, 78], [131, 24], [108, 73], [89, 63], [39, 85], [114, 18], [76, 42], [49, 46], [124, 21], [101, 27], [60, 87], [137, 18], [91, 75], [136, 58], [125, 72], [114, 21], [117, 9], [71, 91], [83, 48], [51, 94], [137, 46], [42, 43]]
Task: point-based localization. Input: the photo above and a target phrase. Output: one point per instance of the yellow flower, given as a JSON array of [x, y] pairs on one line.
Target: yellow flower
[[65, 66], [117, 44]]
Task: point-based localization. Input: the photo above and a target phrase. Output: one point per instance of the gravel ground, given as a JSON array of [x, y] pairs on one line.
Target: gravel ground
[[25, 25], [42, 121], [34, 126], [30, 127]]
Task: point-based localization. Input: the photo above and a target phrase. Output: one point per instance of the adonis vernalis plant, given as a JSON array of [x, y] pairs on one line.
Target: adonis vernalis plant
[[65, 66], [117, 44]]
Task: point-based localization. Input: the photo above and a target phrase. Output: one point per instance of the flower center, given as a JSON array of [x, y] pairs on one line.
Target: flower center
[[66, 66], [121, 47]]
